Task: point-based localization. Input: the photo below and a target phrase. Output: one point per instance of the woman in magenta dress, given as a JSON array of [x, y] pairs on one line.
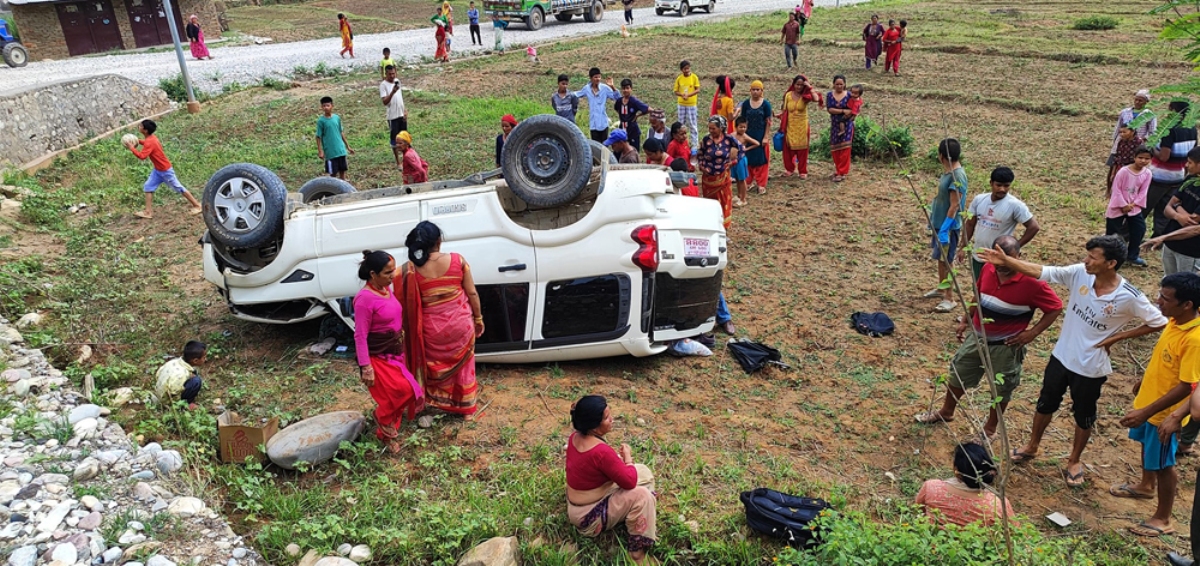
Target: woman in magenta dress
[[195, 37], [442, 320], [873, 37], [378, 320], [841, 126]]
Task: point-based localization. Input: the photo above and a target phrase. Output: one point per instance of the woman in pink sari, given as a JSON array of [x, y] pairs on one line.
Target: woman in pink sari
[[441, 321], [195, 37], [377, 340]]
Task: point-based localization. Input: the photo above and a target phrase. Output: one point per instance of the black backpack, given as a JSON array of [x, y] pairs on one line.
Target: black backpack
[[874, 324], [782, 516]]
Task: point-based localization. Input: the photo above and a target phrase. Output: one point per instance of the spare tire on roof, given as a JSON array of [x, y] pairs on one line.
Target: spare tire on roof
[[321, 187], [244, 205], [546, 161]]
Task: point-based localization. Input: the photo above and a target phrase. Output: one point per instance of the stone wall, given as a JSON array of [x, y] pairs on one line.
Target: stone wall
[[42, 33], [39, 121]]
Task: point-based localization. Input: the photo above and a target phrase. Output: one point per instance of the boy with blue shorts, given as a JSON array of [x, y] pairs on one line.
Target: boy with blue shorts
[[161, 173], [1159, 410]]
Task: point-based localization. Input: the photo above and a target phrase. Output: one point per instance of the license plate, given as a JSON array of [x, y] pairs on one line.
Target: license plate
[[696, 247]]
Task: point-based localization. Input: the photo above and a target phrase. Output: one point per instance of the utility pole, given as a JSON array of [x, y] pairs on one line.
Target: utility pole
[[192, 106]]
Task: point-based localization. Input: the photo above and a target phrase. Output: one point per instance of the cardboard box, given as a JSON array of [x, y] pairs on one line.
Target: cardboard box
[[240, 440]]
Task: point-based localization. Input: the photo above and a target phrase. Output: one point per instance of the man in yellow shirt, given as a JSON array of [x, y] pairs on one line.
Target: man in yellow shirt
[[1159, 409], [178, 378], [687, 90]]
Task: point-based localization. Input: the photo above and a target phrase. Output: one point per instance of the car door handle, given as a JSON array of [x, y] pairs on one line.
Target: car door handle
[[517, 267]]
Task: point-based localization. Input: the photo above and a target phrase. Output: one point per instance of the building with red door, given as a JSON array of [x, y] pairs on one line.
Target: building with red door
[[57, 29]]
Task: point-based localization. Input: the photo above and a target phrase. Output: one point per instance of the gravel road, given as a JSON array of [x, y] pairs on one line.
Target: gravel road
[[248, 64]]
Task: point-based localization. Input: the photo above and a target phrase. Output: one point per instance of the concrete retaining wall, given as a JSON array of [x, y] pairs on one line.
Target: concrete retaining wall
[[41, 121]]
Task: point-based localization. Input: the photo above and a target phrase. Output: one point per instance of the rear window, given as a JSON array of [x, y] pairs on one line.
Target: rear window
[[587, 305]]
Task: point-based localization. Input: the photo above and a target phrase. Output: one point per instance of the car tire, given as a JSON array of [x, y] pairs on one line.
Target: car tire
[[244, 205], [595, 12], [546, 161], [659, 11], [322, 187], [598, 149], [684, 9], [564, 17], [711, 5], [535, 19], [15, 55]]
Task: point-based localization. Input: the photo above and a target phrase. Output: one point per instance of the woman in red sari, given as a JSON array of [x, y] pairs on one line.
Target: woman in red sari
[[441, 321], [377, 326], [440, 33]]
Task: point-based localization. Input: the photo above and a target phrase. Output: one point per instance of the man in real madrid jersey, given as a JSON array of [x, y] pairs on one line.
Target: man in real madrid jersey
[[1101, 303]]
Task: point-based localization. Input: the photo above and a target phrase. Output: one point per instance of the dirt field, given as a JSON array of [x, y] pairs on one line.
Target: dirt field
[[803, 258]]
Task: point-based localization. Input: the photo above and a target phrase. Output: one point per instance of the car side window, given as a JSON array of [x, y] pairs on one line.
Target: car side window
[[587, 305], [504, 309]]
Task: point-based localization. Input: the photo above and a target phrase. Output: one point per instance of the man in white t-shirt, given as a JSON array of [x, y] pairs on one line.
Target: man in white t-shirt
[[393, 100], [1101, 303], [996, 214]]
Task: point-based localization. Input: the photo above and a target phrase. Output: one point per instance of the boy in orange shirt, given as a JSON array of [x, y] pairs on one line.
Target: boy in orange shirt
[[162, 172]]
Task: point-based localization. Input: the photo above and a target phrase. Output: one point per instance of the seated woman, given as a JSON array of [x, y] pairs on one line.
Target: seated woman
[[964, 499], [377, 322], [603, 488]]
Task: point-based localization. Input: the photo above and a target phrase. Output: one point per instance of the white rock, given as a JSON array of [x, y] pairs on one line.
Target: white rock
[[293, 549], [159, 560], [120, 396], [129, 537], [143, 491], [113, 554], [314, 440], [81, 412], [52, 520], [86, 470], [24, 556], [152, 449], [65, 553], [31, 319], [8, 490], [169, 462], [498, 551], [239, 553], [360, 553], [186, 507], [334, 561], [344, 549], [21, 388], [86, 427], [136, 525]]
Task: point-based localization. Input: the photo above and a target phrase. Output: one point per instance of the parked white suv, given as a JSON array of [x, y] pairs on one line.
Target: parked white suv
[[684, 7], [573, 255]]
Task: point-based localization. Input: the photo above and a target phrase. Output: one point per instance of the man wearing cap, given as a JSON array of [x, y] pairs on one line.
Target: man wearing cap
[[658, 127], [618, 142], [1140, 100]]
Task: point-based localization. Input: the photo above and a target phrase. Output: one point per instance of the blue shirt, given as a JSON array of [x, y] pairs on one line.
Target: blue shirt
[[473, 16], [597, 104], [499, 24]]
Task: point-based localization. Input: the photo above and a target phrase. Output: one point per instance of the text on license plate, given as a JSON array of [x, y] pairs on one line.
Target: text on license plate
[[694, 247]]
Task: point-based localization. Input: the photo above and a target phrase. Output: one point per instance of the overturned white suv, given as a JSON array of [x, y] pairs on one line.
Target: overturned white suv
[[573, 255]]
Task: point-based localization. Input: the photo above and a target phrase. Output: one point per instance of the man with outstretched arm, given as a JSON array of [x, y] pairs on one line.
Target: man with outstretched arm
[[1000, 323], [1100, 304]]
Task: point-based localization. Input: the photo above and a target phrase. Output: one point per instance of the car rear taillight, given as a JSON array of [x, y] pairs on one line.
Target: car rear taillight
[[646, 256]]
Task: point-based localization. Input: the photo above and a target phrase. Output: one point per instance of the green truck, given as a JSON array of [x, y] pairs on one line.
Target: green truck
[[534, 12]]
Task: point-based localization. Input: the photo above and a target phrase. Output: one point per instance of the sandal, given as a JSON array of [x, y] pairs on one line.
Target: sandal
[[143, 215], [1019, 457], [1124, 491], [1073, 480], [1144, 529], [932, 417], [762, 190]]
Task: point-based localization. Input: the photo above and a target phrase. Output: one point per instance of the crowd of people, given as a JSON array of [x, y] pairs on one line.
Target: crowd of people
[[416, 322]]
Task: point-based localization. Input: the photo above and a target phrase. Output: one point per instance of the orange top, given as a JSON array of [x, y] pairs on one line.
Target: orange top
[[153, 149]]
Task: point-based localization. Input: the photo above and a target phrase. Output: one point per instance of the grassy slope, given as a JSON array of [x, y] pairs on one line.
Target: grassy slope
[[998, 82]]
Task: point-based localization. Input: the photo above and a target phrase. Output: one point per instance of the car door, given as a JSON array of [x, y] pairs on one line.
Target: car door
[[502, 261], [345, 230]]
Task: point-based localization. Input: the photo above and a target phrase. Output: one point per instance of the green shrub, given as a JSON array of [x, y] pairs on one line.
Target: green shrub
[[1094, 23], [872, 141], [911, 538], [177, 91]]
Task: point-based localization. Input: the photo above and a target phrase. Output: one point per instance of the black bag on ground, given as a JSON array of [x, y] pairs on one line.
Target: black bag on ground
[[782, 516], [874, 324], [753, 356]]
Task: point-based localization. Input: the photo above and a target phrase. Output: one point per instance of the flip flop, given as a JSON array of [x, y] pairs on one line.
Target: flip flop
[[1073, 480], [143, 215], [931, 417], [1125, 492], [1150, 531], [1019, 457]]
